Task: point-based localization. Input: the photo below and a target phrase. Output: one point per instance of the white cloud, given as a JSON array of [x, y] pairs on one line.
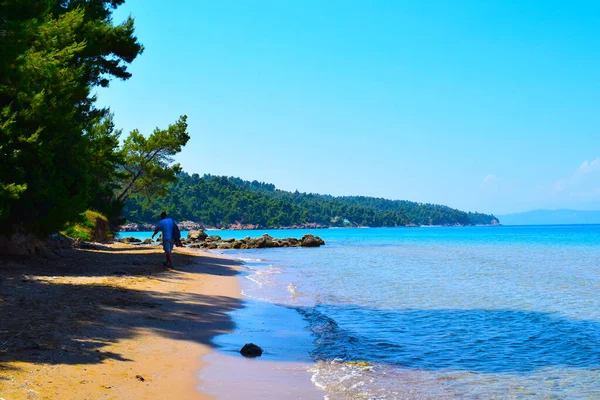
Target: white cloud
[[490, 184], [490, 178], [588, 167], [582, 183]]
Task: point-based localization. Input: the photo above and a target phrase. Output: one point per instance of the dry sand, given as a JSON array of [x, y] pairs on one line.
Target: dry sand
[[111, 323]]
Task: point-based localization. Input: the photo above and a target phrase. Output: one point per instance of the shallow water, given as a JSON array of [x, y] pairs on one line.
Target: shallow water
[[477, 312], [461, 312]]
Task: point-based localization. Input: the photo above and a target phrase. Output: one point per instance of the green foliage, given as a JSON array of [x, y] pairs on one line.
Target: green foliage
[[220, 201], [53, 54], [85, 224], [104, 160], [147, 163]]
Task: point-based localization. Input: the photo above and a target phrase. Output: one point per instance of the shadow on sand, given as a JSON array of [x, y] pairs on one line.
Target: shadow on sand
[[66, 310]]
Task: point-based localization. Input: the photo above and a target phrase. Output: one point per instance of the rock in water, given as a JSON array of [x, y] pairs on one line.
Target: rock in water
[[148, 241], [251, 350], [130, 239], [309, 240], [197, 235], [237, 244]]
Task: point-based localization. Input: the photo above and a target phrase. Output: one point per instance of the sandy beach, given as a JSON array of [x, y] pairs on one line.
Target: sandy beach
[[111, 322]]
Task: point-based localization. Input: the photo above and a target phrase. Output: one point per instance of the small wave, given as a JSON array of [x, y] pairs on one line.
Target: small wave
[[263, 276], [353, 380], [271, 270], [249, 259], [259, 282], [253, 296], [293, 289]]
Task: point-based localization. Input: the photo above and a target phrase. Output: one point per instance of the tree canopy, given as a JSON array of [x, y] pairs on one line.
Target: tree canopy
[[147, 164], [51, 56], [220, 201]]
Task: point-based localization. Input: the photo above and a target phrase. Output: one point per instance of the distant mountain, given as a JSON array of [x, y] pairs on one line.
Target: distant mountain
[[551, 217]]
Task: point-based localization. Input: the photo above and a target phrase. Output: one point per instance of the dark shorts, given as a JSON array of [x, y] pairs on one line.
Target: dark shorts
[[168, 245]]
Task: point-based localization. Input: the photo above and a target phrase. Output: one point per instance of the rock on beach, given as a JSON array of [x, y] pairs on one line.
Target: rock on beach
[[251, 350]]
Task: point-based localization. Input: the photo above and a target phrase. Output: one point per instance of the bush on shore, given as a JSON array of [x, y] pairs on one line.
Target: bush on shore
[[91, 227]]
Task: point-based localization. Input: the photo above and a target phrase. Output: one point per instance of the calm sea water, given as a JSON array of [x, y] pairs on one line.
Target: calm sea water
[[461, 312]]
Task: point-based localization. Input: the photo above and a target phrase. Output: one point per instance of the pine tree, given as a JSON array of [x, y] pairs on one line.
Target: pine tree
[[52, 54]]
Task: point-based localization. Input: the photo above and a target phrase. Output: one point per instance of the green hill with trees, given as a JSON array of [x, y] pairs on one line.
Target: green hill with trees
[[219, 201]]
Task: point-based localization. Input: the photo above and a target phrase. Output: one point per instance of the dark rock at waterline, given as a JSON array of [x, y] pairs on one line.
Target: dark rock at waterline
[[258, 243], [251, 350], [148, 241], [196, 235], [130, 239], [237, 244], [264, 241], [309, 240]]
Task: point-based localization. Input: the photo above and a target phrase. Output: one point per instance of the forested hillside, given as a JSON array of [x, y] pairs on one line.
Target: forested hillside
[[222, 201]]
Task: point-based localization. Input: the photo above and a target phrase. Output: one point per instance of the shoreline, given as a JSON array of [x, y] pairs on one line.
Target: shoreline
[[185, 226], [112, 322], [285, 369]]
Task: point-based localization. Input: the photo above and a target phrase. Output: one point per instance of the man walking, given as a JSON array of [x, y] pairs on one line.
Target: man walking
[[166, 227]]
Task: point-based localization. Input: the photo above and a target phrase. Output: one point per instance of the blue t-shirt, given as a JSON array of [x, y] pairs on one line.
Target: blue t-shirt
[[166, 226]]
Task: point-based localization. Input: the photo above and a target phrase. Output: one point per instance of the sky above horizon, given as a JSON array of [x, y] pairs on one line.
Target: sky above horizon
[[483, 106]]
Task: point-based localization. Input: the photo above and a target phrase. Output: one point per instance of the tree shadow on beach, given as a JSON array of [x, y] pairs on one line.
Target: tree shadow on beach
[[108, 261], [68, 310]]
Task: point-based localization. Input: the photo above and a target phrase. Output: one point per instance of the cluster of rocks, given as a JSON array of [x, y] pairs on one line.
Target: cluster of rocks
[[243, 227], [199, 239], [311, 225], [240, 226], [189, 225], [183, 226], [129, 239], [132, 240], [132, 227]]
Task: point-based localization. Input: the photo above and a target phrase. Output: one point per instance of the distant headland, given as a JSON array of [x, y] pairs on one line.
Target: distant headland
[[219, 202]]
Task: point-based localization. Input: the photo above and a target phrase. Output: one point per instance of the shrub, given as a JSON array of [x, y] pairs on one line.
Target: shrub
[[90, 226]]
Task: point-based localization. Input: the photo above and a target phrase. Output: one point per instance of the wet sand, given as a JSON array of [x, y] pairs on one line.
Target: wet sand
[[257, 379]]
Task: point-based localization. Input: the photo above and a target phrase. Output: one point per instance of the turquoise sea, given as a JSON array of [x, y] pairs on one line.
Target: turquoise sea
[[437, 312]]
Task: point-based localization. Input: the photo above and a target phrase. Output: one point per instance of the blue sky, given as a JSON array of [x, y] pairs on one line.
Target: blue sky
[[486, 106]]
